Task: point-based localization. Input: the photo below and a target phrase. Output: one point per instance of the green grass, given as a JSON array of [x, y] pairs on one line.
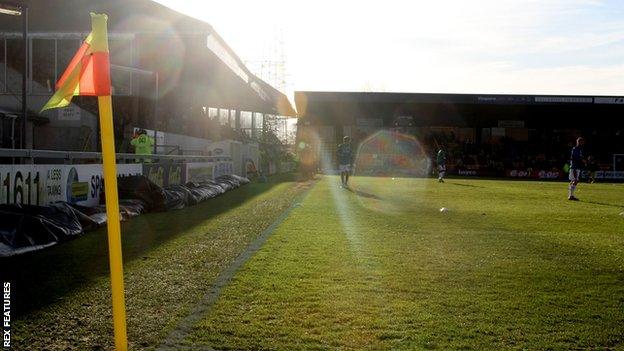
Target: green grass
[[511, 265], [61, 296]]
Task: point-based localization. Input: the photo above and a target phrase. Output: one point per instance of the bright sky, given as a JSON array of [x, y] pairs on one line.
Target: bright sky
[[456, 46]]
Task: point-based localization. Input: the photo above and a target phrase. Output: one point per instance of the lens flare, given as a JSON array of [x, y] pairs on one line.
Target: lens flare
[[398, 157], [387, 153], [152, 53]]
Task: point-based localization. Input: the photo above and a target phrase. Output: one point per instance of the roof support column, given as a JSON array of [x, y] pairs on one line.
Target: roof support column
[[253, 125]]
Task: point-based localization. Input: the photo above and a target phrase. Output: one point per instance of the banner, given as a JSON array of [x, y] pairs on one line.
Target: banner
[[473, 171], [468, 172], [528, 173], [44, 184], [165, 174], [617, 175], [199, 171], [69, 113], [222, 168], [545, 174], [518, 173], [202, 171], [549, 174]]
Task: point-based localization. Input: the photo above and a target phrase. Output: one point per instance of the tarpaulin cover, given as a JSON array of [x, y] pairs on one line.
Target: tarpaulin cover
[[214, 186], [176, 197], [99, 218], [226, 184], [25, 228], [205, 190], [241, 180], [140, 188], [95, 214], [131, 208], [128, 208], [233, 181]]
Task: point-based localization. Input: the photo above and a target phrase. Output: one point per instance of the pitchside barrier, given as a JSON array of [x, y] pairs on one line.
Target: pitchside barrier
[[545, 174], [82, 184], [536, 174]]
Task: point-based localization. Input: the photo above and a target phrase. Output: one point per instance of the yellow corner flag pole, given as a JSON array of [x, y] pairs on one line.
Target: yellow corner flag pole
[[100, 43], [114, 229]]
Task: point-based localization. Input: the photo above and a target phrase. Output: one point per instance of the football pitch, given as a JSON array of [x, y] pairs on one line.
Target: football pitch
[[509, 265]]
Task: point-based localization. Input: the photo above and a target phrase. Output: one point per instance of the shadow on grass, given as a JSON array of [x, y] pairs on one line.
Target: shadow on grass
[[364, 194], [43, 277], [603, 204], [468, 185]]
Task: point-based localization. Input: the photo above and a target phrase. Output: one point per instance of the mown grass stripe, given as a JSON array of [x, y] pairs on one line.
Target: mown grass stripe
[[172, 342]]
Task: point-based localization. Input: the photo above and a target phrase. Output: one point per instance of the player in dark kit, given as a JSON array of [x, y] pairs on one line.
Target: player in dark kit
[[441, 159], [592, 167], [345, 158], [576, 164]]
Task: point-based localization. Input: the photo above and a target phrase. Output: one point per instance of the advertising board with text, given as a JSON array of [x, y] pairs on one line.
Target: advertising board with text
[[44, 184]]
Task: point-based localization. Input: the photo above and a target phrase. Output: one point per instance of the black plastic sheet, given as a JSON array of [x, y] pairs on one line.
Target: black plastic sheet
[[96, 214], [100, 218], [25, 228], [130, 208], [233, 180], [141, 188], [227, 184], [214, 186], [241, 180], [176, 198], [205, 190]]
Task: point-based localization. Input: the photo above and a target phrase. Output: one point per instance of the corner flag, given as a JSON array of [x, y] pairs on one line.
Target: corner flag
[[88, 73]]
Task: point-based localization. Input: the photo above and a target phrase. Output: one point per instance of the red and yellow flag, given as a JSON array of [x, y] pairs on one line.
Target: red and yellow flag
[[88, 73]]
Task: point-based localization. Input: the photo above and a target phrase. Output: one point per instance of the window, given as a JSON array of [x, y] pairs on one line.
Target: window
[[144, 85], [121, 55], [223, 117], [233, 119], [65, 51], [259, 119], [15, 65], [212, 113], [245, 119], [43, 66]]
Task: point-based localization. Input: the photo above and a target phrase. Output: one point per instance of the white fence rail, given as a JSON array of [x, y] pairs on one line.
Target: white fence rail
[[29, 155]]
